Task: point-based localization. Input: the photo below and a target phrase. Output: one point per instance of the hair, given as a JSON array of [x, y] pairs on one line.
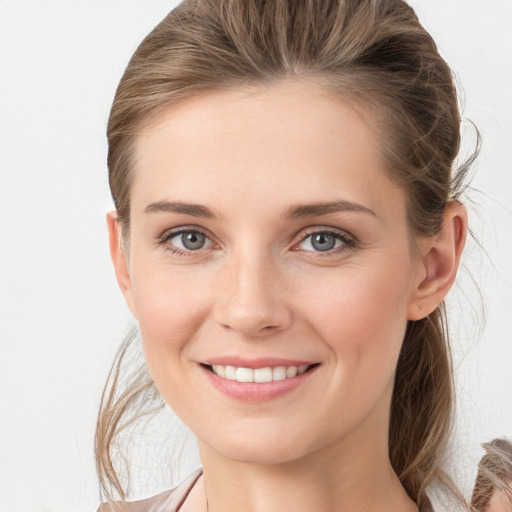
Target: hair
[[494, 473], [374, 54]]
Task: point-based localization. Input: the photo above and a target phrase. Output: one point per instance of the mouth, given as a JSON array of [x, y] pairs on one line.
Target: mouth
[[258, 375]]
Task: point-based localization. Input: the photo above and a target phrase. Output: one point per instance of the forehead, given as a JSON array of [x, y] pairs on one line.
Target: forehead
[[287, 142]]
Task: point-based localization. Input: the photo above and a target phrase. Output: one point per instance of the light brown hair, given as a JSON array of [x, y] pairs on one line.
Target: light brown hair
[[373, 53], [494, 473]]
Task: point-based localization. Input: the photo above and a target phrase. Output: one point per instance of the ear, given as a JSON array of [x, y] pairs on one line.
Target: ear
[[440, 257], [119, 258]]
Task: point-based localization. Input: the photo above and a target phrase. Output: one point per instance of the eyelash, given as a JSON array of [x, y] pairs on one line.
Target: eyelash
[[349, 242], [164, 240]]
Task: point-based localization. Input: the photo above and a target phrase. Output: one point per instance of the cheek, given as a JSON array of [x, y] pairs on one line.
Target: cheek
[[170, 305], [361, 313]]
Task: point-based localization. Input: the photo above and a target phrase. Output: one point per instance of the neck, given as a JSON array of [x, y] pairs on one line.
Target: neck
[[339, 478]]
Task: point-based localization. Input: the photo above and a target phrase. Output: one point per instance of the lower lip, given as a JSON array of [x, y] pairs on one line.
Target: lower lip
[[256, 392]]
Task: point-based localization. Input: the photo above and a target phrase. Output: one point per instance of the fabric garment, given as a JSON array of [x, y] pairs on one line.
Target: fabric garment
[[167, 501]]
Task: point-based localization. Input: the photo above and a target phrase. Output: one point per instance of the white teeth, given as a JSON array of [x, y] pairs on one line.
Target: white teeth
[[245, 375], [263, 375], [279, 373], [219, 370], [291, 371], [230, 372], [259, 375], [301, 369]]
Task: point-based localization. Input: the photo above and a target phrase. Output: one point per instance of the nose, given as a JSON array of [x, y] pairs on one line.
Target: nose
[[251, 299]]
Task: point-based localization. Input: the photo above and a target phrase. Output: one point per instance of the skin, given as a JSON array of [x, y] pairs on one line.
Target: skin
[[259, 288], [499, 502]]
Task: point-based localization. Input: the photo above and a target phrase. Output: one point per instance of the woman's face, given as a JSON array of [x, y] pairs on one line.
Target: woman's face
[[267, 243]]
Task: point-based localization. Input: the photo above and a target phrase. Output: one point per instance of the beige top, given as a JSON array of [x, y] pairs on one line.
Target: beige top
[[167, 501]]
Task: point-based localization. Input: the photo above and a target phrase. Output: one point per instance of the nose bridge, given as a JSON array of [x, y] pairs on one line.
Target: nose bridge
[[251, 299]]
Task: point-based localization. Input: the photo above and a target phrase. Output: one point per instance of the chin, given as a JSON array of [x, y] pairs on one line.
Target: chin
[[261, 455], [252, 447]]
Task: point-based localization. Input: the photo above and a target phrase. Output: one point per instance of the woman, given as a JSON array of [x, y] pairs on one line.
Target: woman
[[287, 226]]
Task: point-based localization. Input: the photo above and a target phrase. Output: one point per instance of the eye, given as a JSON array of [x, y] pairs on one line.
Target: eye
[[325, 241], [186, 241]]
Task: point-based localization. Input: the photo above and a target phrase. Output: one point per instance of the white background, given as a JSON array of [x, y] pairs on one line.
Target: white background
[[61, 315]]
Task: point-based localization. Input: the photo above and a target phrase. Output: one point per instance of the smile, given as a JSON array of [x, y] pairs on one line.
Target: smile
[[267, 379], [258, 375]]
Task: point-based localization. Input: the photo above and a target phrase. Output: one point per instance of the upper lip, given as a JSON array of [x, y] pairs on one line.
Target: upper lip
[[260, 362]]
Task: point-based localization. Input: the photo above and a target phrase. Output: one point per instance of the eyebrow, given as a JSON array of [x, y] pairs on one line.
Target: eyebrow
[[293, 212], [317, 209], [196, 210]]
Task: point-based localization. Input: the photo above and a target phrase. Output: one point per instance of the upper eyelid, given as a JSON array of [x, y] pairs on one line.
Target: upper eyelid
[[321, 229], [169, 233]]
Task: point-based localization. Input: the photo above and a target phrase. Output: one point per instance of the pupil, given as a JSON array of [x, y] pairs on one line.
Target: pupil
[[323, 242], [193, 240]]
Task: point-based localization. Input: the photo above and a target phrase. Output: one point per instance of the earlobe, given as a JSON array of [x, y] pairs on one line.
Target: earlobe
[[119, 259], [440, 261]]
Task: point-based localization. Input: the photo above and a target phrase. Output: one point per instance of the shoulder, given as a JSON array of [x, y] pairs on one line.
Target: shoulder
[[167, 501]]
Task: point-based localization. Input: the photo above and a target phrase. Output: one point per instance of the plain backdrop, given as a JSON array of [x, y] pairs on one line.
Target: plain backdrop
[[61, 314]]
